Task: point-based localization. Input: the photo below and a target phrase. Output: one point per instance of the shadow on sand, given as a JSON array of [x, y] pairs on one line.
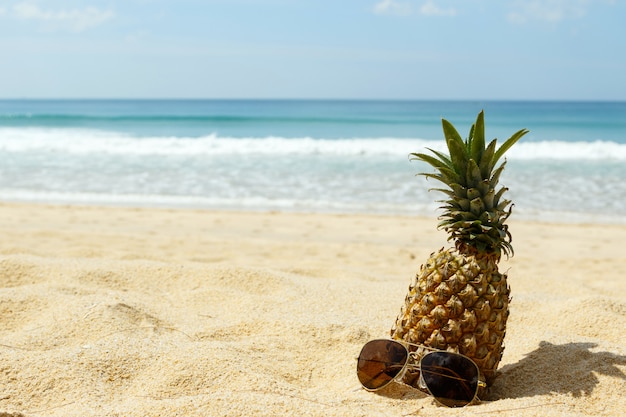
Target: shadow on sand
[[570, 368]]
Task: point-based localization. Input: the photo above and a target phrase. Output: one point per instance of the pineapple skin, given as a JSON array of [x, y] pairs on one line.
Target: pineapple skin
[[458, 302]]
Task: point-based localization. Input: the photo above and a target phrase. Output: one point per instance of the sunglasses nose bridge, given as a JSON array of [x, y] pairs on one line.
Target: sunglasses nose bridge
[[408, 365], [410, 373]]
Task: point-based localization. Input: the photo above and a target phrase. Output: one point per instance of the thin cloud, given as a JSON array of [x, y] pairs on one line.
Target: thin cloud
[[393, 7], [431, 9], [75, 20], [551, 11], [405, 8]]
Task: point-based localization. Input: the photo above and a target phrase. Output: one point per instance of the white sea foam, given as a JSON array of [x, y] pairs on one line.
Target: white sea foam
[[296, 204], [596, 150], [248, 203], [586, 179], [79, 141]]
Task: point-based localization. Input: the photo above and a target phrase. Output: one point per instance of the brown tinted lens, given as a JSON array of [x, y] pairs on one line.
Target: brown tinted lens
[[380, 362], [451, 378]]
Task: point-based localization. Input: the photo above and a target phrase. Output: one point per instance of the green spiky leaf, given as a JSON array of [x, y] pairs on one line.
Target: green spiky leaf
[[507, 145], [474, 212], [478, 139]]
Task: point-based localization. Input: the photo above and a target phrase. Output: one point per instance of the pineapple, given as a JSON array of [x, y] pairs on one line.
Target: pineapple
[[459, 301]]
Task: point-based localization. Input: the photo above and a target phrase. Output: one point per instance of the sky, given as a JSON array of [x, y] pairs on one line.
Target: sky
[[320, 49]]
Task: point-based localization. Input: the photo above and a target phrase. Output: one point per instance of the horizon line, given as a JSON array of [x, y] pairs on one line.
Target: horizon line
[[547, 100]]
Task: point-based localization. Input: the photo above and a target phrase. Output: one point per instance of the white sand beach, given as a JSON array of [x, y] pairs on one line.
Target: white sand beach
[[157, 312]]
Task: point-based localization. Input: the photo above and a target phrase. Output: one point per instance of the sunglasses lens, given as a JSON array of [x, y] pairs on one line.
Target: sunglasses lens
[[380, 362], [452, 379]]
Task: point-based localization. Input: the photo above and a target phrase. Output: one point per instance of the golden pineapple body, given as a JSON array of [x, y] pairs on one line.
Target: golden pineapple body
[[458, 303]]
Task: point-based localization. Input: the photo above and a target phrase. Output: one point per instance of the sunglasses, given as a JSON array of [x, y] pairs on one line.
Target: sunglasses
[[451, 378]]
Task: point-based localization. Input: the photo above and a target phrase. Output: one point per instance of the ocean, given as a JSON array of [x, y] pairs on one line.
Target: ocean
[[336, 156]]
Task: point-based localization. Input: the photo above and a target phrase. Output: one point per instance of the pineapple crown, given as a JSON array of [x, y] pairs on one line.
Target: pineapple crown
[[475, 213]]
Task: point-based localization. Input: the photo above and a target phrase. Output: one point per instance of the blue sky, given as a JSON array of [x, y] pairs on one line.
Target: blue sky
[[388, 49]]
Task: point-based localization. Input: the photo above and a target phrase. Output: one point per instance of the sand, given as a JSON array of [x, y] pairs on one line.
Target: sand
[[157, 312]]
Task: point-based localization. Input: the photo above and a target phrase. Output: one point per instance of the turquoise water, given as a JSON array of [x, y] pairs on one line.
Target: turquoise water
[[304, 155]]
